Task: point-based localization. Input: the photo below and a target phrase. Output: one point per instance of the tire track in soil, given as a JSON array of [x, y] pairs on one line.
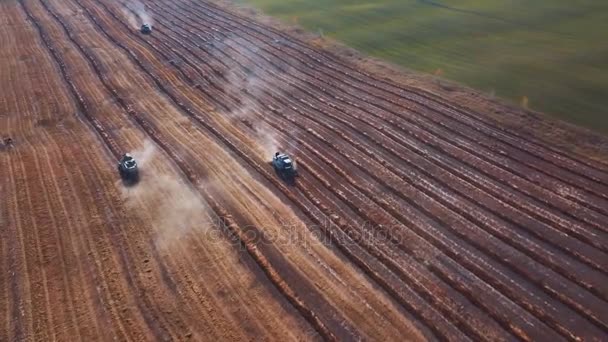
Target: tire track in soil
[[260, 258], [19, 267], [324, 112], [381, 130], [460, 239], [321, 59], [114, 150], [33, 120], [328, 114], [23, 141], [453, 133], [165, 276], [456, 132]]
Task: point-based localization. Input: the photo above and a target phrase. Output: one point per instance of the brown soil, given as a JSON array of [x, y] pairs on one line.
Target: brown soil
[[414, 217]]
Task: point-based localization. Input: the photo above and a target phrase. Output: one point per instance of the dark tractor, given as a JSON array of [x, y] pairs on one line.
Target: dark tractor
[[127, 167], [146, 29], [6, 144], [284, 166]]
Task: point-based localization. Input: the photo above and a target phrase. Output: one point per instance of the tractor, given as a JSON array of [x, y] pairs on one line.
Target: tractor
[[146, 29], [128, 170], [284, 166]]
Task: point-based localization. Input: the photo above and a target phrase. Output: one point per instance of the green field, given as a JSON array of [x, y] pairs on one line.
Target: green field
[[554, 52]]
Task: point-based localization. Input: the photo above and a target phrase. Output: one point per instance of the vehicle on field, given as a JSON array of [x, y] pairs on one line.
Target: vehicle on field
[[284, 166], [146, 29], [128, 169]]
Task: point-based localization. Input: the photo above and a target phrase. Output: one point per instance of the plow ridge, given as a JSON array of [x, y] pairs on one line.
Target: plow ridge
[[565, 212], [321, 58], [303, 63], [152, 321], [325, 113], [222, 213], [328, 163]]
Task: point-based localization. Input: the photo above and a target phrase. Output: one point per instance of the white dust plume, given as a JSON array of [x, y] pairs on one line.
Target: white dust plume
[[164, 201], [136, 14], [144, 154], [252, 86]]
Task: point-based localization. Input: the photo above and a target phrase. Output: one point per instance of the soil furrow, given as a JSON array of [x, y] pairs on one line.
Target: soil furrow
[[321, 60]]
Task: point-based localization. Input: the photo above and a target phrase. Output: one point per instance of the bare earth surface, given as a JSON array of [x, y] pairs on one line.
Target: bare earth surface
[[422, 211]]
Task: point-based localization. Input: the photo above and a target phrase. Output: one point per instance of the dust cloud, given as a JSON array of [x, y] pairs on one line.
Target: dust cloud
[[145, 154], [169, 205], [250, 84], [136, 14]]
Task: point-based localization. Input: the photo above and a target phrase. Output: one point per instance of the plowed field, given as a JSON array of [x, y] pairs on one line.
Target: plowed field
[[413, 216]]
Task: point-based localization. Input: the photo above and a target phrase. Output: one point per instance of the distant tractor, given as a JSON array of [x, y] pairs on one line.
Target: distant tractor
[[127, 167], [284, 166], [146, 29]]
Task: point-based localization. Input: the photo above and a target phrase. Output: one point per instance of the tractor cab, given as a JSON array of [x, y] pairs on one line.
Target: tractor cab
[[127, 168], [284, 165], [146, 29]]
